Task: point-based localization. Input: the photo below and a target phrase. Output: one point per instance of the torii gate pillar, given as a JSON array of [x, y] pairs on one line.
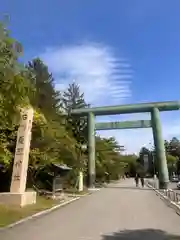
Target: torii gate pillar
[[91, 151], [160, 153]]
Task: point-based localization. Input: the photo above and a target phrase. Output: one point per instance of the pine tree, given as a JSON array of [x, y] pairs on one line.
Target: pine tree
[[46, 98], [72, 99]]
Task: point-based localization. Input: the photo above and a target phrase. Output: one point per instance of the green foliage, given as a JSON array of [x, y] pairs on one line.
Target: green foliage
[[172, 149], [173, 155], [54, 137], [46, 98], [73, 98], [14, 88], [110, 163], [170, 159], [7, 144]]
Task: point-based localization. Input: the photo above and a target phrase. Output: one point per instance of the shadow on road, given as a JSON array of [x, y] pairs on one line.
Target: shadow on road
[[131, 188], [141, 234]]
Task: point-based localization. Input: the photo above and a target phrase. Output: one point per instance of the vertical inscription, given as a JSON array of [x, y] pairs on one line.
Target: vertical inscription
[[18, 182]]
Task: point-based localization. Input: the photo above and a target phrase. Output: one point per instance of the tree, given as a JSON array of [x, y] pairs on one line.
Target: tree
[[50, 140], [110, 163], [12, 79], [174, 147], [14, 91], [77, 126], [171, 162], [173, 155], [130, 164], [53, 139], [72, 99], [46, 98]]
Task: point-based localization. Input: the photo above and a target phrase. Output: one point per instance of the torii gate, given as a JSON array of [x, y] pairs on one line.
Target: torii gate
[[153, 108]]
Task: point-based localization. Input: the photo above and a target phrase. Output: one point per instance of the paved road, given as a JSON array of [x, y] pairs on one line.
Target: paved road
[[118, 212], [173, 186]]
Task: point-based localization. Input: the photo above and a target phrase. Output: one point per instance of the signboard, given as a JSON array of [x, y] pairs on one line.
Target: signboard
[[19, 175], [123, 125]]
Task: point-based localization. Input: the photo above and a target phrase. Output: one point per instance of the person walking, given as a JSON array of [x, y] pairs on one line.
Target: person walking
[[142, 176], [140, 172], [142, 181], [137, 179]]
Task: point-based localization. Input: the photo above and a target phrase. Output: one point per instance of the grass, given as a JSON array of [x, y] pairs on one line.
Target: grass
[[11, 214]]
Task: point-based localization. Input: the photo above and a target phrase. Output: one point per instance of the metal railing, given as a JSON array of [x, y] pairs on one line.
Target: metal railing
[[171, 195], [168, 193]]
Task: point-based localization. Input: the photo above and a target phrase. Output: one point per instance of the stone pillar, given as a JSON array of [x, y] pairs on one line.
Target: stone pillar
[[91, 150], [18, 195], [20, 167], [159, 149]]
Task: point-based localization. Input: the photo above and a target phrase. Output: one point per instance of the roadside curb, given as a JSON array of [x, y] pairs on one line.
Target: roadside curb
[[172, 204], [41, 213]]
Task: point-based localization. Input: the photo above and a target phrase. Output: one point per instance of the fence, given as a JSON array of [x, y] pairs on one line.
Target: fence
[[168, 193]]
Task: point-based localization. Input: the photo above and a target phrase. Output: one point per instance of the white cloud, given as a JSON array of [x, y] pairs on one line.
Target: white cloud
[[105, 80], [103, 77]]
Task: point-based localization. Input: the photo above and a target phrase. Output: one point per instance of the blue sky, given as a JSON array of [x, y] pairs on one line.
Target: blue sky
[[120, 51]]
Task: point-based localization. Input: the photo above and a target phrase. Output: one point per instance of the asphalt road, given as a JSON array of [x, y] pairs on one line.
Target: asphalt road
[[173, 186], [120, 211]]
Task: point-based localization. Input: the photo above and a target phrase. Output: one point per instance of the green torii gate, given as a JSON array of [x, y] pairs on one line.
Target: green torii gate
[[153, 108]]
